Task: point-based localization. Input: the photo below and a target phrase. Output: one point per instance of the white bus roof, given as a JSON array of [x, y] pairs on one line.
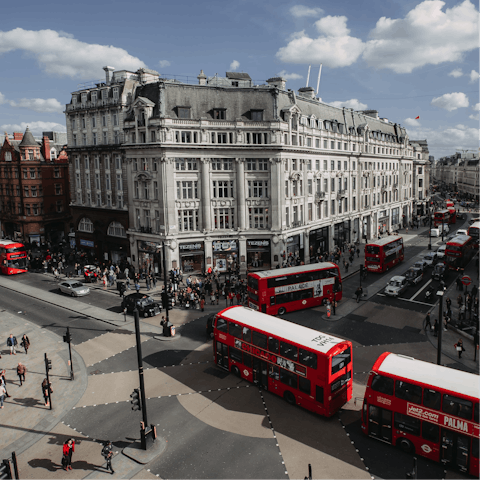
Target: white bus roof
[[9, 242], [475, 225], [306, 337], [434, 375], [459, 240], [385, 240], [278, 272]]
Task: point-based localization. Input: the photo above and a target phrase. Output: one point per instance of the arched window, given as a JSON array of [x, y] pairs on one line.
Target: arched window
[[116, 229], [85, 225]]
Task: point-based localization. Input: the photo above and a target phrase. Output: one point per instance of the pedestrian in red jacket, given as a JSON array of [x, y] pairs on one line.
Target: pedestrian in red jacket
[[68, 449]]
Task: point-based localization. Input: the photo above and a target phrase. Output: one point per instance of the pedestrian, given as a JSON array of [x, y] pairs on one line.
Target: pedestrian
[[46, 390], [239, 297], [68, 449], [459, 347], [21, 371], [107, 455], [212, 298], [230, 297], [137, 286], [25, 343], [217, 295], [358, 253], [3, 394], [428, 323], [12, 343], [154, 280], [202, 304], [448, 303], [358, 293], [3, 382], [147, 282], [345, 264]]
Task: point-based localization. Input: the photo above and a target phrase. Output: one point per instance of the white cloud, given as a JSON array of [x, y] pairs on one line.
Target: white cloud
[[352, 103], [61, 55], [411, 122], [456, 73], [303, 11], [426, 35], [35, 127], [2, 98], [451, 101], [474, 117], [473, 76], [234, 65], [334, 47], [163, 63], [48, 105], [476, 107], [289, 76]]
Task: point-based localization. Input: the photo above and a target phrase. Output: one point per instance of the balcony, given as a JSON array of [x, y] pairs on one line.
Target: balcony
[[319, 197]]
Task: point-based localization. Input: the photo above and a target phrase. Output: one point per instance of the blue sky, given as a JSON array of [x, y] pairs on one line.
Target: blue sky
[[403, 58]]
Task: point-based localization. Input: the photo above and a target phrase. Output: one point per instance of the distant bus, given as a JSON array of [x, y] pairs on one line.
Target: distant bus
[[425, 409], [473, 231], [442, 216], [304, 366], [449, 203], [13, 257], [459, 251], [453, 215], [384, 254], [288, 289]]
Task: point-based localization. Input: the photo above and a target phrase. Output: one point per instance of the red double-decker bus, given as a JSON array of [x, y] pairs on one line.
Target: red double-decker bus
[[459, 251], [453, 215], [423, 408], [383, 254], [473, 231], [440, 217], [449, 203], [288, 289], [305, 367], [13, 257]]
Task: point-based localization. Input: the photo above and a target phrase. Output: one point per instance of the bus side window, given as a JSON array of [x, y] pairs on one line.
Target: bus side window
[[247, 334], [235, 330], [304, 385], [247, 360], [431, 399], [259, 339], [273, 344], [382, 384], [309, 359], [319, 394], [408, 391], [457, 406], [272, 300], [289, 351], [273, 372], [235, 354], [475, 413], [430, 431], [288, 378], [475, 447], [407, 424], [221, 325]]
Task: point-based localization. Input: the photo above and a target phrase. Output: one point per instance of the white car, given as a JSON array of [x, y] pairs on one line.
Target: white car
[[441, 251], [74, 288], [430, 259], [461, 231], [435, 232], [396, 286]]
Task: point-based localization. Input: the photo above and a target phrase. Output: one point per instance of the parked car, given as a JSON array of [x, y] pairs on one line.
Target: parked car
[[461, 231], [396, 286], [441, 251], [414, 275], [421, 264], [90, 273], [440, 271], [147, 306], [74, 288], [430, 259]]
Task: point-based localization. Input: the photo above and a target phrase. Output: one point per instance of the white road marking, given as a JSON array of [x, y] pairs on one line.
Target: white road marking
[[421, 290]]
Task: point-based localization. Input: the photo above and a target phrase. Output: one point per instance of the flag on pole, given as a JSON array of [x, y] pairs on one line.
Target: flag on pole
[[416, 118]]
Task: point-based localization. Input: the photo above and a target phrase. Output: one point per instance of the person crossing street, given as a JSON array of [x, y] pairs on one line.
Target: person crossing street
[[107, 455]]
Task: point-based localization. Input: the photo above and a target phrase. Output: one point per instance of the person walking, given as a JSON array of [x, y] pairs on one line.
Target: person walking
[[212, 298], [68, 449], [147, 282], [358, 253], [107, 455], [3, 382], [46, 390], [25, 343], [21, 371], [3, 394], [428, 324], [358, 293], [459, 347], [345, 264], [202, 303], [12, 343]]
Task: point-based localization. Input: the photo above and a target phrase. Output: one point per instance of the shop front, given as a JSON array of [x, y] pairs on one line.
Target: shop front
[[258, 255], [192, 257], [383, 222], [225, 255], [318, 241], [341, 233], [295, 250], [149, 257]]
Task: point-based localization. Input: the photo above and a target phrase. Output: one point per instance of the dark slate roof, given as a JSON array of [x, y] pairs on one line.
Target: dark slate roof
[[238, 76], [28, 140]]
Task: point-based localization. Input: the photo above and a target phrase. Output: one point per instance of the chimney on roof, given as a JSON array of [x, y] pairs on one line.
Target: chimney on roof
[[202, 78], [278, 82], [370, 113], [108, 70], [17, 135], [308, 92], [46, 148]]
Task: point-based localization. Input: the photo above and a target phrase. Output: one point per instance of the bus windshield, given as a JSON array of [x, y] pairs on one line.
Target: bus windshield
[[17, 263], [16, 249]]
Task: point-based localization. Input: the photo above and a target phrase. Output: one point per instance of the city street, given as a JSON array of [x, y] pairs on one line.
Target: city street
[[215, 425]]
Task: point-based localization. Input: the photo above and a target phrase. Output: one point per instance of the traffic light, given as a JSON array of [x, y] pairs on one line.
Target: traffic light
[[48, 364], [135, 400], [67, 338]]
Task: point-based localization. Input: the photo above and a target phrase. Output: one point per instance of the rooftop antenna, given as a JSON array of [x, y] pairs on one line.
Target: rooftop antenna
[[308, 75], [318, 81]]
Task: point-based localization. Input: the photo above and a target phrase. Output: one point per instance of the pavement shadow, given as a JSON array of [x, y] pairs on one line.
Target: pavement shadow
[[84, 465], [29, 402], [44, 463]]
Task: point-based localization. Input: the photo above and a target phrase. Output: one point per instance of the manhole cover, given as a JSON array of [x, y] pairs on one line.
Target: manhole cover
[[215, 372]]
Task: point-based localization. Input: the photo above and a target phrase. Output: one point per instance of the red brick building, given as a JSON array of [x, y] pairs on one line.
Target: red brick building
[[34, 189]]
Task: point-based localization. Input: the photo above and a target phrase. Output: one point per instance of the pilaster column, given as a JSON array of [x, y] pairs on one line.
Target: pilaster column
[[306, 247], [241, 206], [277, 197], [206, 200]]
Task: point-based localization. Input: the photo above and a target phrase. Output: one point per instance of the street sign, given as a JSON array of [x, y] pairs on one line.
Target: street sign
[[466, 280]]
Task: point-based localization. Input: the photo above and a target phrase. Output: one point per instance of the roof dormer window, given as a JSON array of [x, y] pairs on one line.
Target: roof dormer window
[[219, 113], [183, 112], [256, 115]]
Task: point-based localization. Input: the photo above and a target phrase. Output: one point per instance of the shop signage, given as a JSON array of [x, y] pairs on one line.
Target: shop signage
[[258, 243], [86, 243], [224, 245], [147, 246], [191, 246]]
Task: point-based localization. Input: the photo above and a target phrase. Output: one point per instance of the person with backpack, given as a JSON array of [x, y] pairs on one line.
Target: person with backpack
[[12, 343], [25, 343], [107, 455]]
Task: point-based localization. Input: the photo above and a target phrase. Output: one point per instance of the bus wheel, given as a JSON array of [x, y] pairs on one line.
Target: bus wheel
[[289, 397], [282, 311], [406, 445], [236, 371]]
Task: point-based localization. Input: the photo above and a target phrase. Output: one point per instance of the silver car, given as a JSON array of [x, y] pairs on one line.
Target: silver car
[[73, 288], [396, 286]]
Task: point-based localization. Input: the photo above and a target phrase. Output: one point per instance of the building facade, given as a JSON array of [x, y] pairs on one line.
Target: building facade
[[226, 172], [34, 188]]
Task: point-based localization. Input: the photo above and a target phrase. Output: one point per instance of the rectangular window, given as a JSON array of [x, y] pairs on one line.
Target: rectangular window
[[155, 190], [183, 112], [258, 217], [105, 138], [310, 186], [120, 201], [187, 220], [26, 192], [224, 218], [257, 115], [219, 113], [32, 173], [97, 181], [108, 183], [119, 181], [258, 189]]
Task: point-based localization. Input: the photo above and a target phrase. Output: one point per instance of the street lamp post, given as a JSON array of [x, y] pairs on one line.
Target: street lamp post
[[440, 326], [430, 230]]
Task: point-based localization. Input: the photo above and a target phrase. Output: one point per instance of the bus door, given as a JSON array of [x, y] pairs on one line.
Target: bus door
[[455, 449], [222, 355], [380, 423], [260, 373]]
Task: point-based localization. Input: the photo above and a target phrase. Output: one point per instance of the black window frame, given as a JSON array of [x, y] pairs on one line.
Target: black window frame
[[386, 384]]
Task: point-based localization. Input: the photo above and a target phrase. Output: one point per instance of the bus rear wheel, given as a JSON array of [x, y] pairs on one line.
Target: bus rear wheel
[[289, 397], [282, 311], [406, 445], [236, 371]]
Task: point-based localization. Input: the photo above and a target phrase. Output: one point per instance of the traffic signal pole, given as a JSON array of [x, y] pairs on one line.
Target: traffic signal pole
[[68, 339]]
